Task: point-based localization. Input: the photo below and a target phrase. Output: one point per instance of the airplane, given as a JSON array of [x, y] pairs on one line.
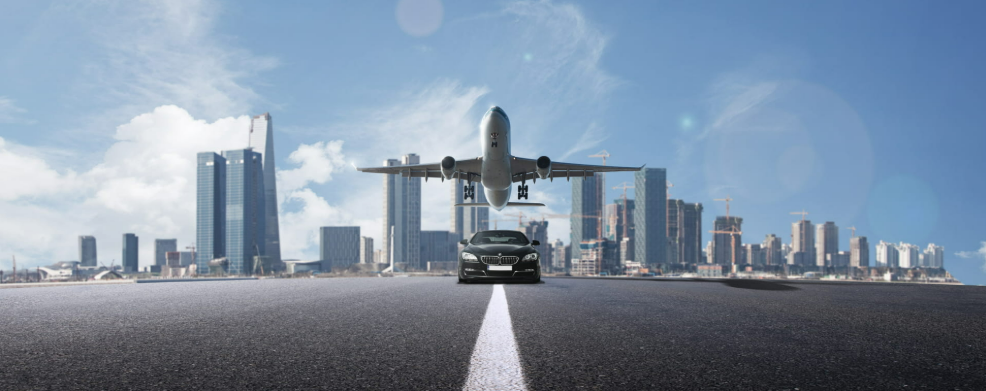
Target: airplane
[[497, 169]]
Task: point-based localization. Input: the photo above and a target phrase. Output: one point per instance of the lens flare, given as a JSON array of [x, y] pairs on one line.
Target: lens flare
[[419, 18]]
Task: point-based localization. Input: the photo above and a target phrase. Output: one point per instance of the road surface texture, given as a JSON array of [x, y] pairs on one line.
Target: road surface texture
[[432, 333]]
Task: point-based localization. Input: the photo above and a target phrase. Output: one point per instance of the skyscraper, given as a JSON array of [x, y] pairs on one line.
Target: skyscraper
[[87, 251], [650, 216], [130, 250], [262, 140], [161, 248], [772, 249], [585, 210], [210, 210], [802, 244], [466, 221], [558, 258], [886, 255], [402, 216], [245, 215], [826, 244], [685, 231], [859, 252], [934, 256], [538, 230], [438, 246], [725, 245], [366, 249], [338, 247]]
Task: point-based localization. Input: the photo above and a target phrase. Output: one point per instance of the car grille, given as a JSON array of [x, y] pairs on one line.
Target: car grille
[[499, 260]]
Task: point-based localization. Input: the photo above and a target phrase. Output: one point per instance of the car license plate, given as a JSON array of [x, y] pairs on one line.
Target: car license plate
[[495, 268]]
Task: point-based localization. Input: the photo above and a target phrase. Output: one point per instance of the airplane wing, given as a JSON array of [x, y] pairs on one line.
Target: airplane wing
[[526, 169], [468, 169]]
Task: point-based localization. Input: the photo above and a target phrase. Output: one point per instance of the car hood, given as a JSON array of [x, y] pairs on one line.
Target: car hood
[[493, 249]]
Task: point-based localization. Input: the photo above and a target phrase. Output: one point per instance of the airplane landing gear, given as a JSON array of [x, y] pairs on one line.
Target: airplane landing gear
[[522, 192], [469, 191]]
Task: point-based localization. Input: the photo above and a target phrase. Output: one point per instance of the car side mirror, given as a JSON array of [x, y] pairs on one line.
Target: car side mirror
[[464, 242], [535, 243]]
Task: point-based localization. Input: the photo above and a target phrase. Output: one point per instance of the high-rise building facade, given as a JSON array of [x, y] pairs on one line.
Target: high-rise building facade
[[87, 251], [130, 260], [859, 252], [586, 214], [886, 255], [245, 213], [772, 250], [753, 254], [684, 232], [366, 250], [468, 220], [908, 255], [161, 248], [802, 244], [438, 246], [650, 216], [402, 216], [538, 230], [826, 243], [624, 229], [210, 210], [338, 247], [934, 256], [558, 258], [262, 140], [612, 223], [727, 245]]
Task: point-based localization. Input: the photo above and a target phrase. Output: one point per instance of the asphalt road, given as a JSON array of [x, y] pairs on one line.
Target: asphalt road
[[420, 333]]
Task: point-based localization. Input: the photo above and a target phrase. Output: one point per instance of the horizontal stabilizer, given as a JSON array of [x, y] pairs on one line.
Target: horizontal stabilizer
[[484, 204], [524, 204]]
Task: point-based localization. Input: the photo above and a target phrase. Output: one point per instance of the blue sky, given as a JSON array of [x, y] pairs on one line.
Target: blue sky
[[865, 114]]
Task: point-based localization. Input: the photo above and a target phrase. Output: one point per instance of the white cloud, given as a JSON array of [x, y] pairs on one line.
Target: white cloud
[[27, 175], [145, 184], [10, 112], [979, 254], [168, 53], [316, 163]]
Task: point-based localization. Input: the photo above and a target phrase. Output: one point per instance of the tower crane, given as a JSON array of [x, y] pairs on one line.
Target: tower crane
[[853, 229], [603, 154]]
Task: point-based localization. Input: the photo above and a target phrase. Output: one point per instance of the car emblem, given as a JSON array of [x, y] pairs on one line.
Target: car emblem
[[500, 254]]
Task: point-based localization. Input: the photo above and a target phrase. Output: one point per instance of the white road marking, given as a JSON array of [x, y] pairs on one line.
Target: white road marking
[[495, 363]]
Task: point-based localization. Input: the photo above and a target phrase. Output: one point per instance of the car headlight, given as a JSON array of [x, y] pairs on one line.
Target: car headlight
[[530, 257], [468, 257]]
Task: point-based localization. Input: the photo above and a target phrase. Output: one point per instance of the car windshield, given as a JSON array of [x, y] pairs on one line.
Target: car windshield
[[499, 237]]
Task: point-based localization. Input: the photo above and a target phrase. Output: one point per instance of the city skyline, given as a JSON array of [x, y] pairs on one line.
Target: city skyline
[[806, 139]]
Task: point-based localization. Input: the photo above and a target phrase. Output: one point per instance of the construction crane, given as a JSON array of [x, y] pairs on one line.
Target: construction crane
[[626, 224], [519, 216], [853, 229], [670, 185], [603, 154], [732, 232]]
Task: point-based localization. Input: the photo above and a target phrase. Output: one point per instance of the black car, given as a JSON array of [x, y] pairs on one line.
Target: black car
[[499, 255]]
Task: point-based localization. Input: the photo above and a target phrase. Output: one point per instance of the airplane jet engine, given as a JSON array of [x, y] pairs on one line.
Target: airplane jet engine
[[448, 167], [543, 167]]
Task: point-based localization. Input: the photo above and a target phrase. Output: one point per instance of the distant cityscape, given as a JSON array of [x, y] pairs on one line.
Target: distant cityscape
[[648, 234]]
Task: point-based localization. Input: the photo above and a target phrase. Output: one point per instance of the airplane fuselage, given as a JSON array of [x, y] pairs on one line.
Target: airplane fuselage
[[494, 134]]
